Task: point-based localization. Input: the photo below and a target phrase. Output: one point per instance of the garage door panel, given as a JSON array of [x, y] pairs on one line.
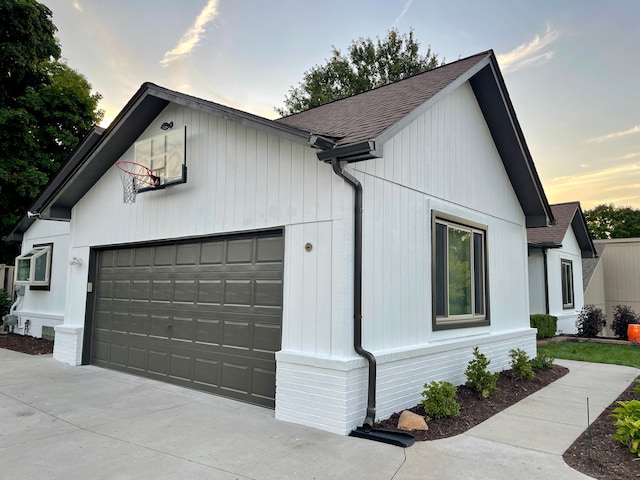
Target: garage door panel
[[209, 292], [137, 358], [180, 366], [237, 292], [206, 372], [268, 293], [157, 361], [159, 326], [207, 315]]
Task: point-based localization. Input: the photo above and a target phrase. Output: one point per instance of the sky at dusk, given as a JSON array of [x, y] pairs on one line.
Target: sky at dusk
[[572, 68]]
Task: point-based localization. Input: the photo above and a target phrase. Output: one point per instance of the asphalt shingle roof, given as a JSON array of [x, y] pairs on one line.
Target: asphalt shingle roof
[[366, 115], [554, 234]]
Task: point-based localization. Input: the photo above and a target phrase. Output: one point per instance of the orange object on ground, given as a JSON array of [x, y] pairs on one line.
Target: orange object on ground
[[633, 332]]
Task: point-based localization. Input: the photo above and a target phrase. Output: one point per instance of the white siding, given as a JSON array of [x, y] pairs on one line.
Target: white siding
[[570, 250], [241, 179], [46, 307], [444, 161], [537, 298]]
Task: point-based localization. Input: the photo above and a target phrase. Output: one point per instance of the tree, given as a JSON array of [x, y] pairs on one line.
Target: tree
[[368, 65], [45, 109], [609, 221]]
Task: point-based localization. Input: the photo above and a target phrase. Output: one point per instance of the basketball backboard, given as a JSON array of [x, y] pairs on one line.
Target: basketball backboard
[[165, 156]]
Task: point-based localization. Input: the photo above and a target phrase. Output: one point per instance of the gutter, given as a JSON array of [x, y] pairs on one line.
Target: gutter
[[337, 156]]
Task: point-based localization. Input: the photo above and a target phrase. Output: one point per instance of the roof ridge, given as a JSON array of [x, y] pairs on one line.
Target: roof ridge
[[439, 67]]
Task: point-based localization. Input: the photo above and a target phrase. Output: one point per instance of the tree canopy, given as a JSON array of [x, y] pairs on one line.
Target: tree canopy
[[367, 65], [609, 221], [46, 107]]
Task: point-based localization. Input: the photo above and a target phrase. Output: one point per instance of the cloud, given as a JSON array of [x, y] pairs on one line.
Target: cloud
[[405, 9], [597, 177], [192, 36], [610, 136], [529, 54], [77, 6]]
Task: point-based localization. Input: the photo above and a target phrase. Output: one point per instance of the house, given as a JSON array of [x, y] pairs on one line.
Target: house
[[555, 265], [613, 280], [44, 255], [326, 264]]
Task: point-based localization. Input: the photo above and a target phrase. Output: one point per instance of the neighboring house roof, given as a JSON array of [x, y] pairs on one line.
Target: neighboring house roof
[[364, 121], [566, 214], [589, 264]]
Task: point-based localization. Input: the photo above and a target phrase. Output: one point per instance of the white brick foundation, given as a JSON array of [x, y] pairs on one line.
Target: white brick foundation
[[68, 345], [331, 394]]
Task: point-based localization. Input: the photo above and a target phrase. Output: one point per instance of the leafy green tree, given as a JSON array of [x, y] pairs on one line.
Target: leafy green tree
[[45, 109], [609, 221], [367, 65]]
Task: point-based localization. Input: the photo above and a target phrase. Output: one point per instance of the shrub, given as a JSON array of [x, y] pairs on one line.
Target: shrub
[[590, 321], [547, 325], [478, 376], [623, 315], [627, 422], [542, 361], [520, 364], [5, 303], [440, 400], [636, 389]]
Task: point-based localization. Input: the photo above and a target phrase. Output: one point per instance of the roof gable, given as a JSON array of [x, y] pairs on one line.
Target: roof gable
[[566, 215], [367, 115]]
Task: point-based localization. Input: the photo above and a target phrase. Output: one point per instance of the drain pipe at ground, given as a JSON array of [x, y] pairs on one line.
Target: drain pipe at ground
[[357, 293]]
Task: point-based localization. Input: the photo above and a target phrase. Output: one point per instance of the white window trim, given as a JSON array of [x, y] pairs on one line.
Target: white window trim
[[33, 254], [467, 320]]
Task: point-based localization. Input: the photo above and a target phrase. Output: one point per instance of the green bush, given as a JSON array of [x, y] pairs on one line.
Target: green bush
[[590, 321], [636, 389], [623, 315], [520, 364], [542, 361], [439, 400], [547, 325], [478, 376], [5, 303], [627, 422]]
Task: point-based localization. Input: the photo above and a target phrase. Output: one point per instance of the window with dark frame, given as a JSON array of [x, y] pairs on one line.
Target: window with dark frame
[[567, 284], [459, 274]]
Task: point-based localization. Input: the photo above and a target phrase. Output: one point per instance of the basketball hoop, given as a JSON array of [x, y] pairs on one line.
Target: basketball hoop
[[135, 176]]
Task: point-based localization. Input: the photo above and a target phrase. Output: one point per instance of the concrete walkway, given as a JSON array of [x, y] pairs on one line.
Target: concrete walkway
[[62, 422]]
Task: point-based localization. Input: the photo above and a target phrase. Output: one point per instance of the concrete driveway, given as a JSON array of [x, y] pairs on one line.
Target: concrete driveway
[[63, 422]]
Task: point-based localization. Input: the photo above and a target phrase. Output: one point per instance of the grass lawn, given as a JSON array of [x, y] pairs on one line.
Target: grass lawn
[[593, 352]]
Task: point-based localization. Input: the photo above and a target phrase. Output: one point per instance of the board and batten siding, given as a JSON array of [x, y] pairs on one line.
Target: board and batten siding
[[443, 161], [537, 297], [241, 179], [570, 250], [46, 307]]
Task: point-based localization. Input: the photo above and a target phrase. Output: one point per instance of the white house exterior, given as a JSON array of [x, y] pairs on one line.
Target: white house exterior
[[240, 281], [555, 266]]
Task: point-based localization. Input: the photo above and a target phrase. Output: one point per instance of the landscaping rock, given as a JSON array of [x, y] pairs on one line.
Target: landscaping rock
[[411, 421]]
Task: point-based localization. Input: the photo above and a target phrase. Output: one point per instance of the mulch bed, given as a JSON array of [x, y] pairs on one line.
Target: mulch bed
[[474, 409], [26, 344], [606, 458]]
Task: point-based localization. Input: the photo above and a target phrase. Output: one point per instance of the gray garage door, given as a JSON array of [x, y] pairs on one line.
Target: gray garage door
[[205, 314]]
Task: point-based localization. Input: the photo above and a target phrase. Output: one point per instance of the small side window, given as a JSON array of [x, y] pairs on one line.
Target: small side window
[[34, 267]]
